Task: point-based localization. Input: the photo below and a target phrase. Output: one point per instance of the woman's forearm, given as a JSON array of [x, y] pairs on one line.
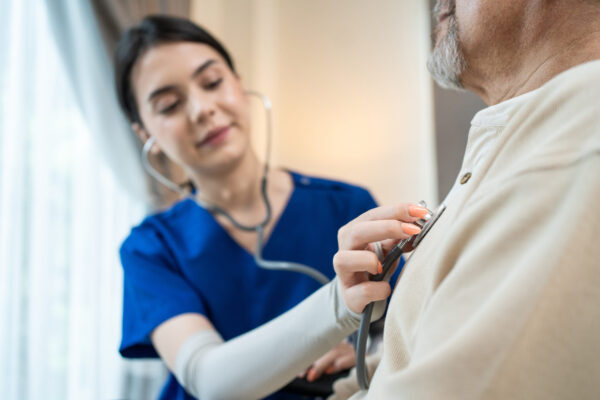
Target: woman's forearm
[[265, 359]]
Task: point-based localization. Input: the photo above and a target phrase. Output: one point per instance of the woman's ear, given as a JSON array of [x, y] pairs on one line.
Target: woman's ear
[[144, 136]]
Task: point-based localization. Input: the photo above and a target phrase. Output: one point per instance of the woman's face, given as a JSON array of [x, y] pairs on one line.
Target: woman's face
[[193, 104]]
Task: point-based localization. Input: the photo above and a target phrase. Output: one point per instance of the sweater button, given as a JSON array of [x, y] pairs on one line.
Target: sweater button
[[465, 178]]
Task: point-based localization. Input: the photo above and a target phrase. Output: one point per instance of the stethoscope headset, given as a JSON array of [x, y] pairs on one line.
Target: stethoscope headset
[[216, 210]]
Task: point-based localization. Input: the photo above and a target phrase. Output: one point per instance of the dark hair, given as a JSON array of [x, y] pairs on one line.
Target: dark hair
[[154, 30]]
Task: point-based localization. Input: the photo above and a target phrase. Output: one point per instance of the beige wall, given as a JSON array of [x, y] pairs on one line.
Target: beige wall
[[352, 98]]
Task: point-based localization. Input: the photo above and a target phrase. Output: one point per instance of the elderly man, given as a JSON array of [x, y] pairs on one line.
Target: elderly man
[[502, 299]]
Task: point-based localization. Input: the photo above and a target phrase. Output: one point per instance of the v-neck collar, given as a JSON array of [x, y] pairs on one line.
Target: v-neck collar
[[276, 227]]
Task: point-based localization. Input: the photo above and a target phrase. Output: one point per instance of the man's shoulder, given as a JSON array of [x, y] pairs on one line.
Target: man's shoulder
[[558, 126]]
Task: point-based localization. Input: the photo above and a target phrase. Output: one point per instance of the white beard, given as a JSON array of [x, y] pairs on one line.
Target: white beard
[[446, 63]]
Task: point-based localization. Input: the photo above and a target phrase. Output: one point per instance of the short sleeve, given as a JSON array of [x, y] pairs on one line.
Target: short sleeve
[[154, 290]]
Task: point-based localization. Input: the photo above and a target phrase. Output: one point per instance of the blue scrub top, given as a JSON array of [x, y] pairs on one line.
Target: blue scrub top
[[182, 261]]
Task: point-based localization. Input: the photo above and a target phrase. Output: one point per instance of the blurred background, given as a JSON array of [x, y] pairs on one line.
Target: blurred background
[[352, 101]]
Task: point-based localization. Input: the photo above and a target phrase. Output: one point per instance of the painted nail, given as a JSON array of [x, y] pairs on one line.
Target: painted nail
[[330, 369], [417, 211], [379, 267], [411, 229], [311, 375]]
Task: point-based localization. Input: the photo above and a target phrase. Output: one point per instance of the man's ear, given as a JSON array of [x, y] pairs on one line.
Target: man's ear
[[144, 136]]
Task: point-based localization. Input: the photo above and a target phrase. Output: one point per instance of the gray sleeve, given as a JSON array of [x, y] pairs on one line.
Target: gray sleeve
[[265, 359]]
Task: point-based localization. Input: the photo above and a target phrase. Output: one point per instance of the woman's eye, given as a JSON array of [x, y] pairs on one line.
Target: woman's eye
[[214, 84], [169, 108]]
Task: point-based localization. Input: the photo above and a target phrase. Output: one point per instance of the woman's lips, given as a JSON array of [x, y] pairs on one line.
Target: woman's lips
[[215, 136]]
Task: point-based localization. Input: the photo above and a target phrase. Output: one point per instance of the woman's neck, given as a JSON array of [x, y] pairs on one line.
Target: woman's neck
[[237, 188]]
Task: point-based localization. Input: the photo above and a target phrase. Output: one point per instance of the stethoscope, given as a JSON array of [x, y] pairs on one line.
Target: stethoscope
[[387, 262], [214, 209]]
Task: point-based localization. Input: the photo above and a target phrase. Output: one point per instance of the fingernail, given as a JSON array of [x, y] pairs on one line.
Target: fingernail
[[417, 211], [311, 375], [330, 369], [379, 267], [410, 229]]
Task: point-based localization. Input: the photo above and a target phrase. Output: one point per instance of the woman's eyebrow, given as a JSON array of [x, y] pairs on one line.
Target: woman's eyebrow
[[168, 88], [202, 67]]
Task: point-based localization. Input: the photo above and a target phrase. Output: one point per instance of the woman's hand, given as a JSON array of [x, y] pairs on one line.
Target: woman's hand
[[339, 358], [355, 259]]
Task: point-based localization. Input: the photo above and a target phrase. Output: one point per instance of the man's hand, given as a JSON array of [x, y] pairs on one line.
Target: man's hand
[[339, 358]]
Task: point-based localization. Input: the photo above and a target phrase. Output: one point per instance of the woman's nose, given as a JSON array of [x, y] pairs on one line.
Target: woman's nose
[[200, 107]]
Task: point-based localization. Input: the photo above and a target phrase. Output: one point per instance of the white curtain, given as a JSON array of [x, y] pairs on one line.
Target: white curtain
[[70, 189]]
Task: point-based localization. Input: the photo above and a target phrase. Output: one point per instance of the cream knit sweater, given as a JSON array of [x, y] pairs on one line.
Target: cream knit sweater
[[502, 298]]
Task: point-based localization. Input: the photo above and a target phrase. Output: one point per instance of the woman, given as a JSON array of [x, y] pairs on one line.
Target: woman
[[189, 273]]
